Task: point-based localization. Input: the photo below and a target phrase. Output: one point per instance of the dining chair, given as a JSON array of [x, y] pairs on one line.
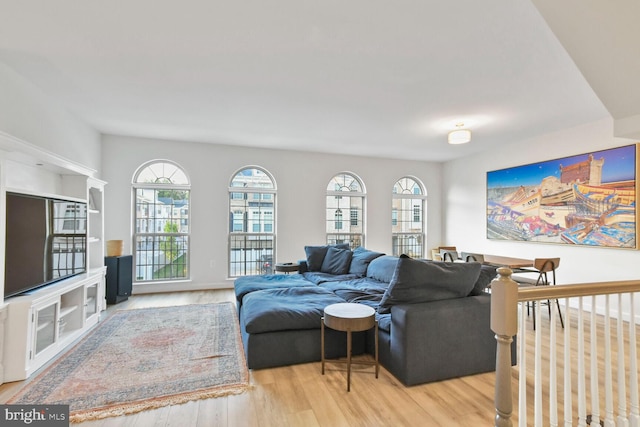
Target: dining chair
[[449, 255], [543, 267], [470, 256], [436, 254]]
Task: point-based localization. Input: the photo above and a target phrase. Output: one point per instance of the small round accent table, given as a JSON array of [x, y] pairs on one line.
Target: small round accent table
[[287, 267], [349, 317]]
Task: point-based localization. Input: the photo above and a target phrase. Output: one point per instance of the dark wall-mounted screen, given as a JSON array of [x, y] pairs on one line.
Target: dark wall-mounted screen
[[46, 241]]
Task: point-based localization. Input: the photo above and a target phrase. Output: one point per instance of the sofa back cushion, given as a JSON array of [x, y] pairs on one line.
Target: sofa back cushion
[[382, 268], [417, 281], [336, 261], [316, 254], [361, 259], [487, 274]]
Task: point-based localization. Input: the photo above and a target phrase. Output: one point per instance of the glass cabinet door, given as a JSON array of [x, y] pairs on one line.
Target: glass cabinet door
[[46, 321], [91, 301]]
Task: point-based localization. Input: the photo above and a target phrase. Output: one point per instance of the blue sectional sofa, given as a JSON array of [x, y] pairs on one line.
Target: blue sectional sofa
[[433, 317]]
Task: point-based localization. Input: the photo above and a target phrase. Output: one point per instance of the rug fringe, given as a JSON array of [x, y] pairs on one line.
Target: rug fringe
[[155, 403]]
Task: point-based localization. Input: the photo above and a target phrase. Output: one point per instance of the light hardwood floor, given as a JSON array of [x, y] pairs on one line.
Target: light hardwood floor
[[300, 396]]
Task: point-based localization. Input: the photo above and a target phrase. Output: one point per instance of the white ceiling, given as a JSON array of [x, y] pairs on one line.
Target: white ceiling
[[375, 77], [603, 38]]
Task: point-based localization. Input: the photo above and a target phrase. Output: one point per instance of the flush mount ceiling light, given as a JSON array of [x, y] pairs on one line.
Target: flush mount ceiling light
[[460, 135]]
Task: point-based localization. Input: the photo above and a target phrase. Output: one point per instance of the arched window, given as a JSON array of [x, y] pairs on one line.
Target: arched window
[[407, 217], [161, 191], [252, 228], [345, 195]]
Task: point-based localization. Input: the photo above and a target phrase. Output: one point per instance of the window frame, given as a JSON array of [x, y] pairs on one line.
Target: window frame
[[337, 191], [154, 187], [410, 196], [252, 194]]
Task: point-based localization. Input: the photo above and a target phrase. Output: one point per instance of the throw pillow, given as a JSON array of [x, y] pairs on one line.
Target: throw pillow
[[487, 274], [316, 254], [382, 268], [416, 281], [361, 259], [336, 261]]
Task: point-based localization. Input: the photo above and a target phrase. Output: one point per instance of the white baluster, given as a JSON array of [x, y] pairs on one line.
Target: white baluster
[[553, 389], [595, 393], [522, 363], [634, 409], [608, 383], [622, 420], [568, 398], [582, 403], [537, 406]]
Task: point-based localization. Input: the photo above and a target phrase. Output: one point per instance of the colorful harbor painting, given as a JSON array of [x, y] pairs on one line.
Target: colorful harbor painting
[[588, 199]]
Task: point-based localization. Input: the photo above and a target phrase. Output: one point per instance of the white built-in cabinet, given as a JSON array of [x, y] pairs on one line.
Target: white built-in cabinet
[[44, 322], [38, 325]]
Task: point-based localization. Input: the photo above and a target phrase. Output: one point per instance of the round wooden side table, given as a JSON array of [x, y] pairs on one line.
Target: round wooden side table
[[349, 317], [287, 267]]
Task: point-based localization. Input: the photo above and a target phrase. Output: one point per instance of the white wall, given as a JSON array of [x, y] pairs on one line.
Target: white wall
[[464, 200], [33, 124], [301, 180], [30, 115]]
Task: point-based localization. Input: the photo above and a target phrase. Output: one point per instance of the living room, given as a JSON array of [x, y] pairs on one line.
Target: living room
[[455, 208], [456, 193]]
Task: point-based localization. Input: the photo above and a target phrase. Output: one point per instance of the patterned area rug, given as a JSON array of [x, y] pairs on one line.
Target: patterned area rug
[[143, 359]]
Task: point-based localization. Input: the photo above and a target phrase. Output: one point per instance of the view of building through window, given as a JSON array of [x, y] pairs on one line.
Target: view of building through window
[[162, 227], [345, 210], [68, 239], [407, 218], [252, 195], [161, 222]]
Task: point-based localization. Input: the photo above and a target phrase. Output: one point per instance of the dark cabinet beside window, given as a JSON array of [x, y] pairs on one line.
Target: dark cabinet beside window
[[119, 278]]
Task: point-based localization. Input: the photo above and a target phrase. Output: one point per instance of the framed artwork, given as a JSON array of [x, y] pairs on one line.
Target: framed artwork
[[587, 199]]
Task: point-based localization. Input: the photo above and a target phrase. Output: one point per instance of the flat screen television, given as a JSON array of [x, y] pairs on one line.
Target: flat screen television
[[46, 241]]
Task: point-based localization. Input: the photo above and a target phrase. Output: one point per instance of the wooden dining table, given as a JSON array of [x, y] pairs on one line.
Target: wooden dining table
[[511, 262]]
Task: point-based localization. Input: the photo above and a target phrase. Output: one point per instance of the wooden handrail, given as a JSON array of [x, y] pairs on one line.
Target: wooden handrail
[[535, 293]]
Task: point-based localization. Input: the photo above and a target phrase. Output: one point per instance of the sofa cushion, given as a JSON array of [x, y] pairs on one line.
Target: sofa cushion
[[384, 321], [316, 254], [318, 277], [285, 309], [360, 289], [364, 284], [487, 274], [382, 268], [360, 260], [336, 261], [415, 281], [247, 284]]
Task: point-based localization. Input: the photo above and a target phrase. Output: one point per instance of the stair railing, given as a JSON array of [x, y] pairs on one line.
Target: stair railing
[[567, 361]]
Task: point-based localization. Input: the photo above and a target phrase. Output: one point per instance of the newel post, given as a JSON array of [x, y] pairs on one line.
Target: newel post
[[504, 323]]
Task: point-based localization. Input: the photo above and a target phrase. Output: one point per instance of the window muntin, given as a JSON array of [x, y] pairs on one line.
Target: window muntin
[[161, 222], [345, 201], [407, 217], [338, 219], [252, 222]]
